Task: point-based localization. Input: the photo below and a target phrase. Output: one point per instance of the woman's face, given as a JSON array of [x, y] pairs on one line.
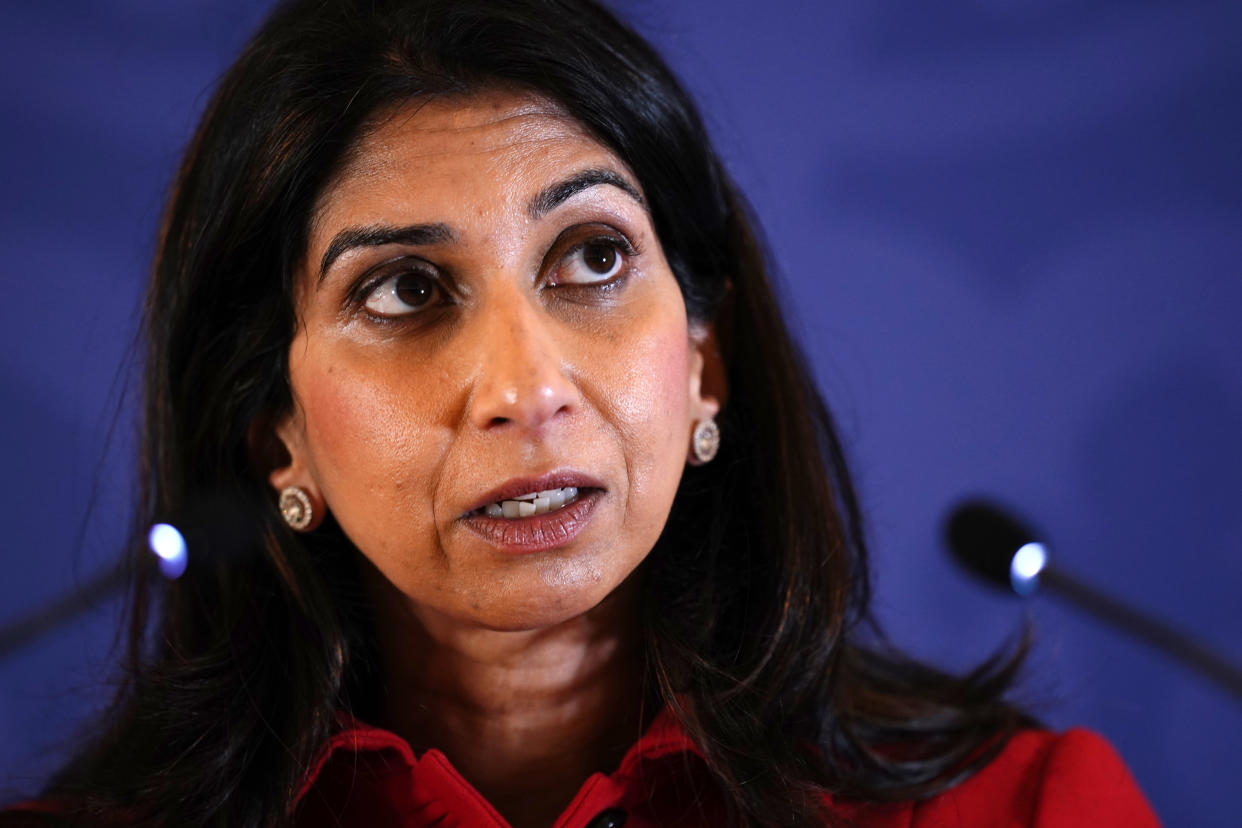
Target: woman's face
[[485, 312]]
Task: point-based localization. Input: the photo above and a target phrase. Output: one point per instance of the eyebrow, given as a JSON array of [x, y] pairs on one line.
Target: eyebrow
[[552, 197], [381, 234]]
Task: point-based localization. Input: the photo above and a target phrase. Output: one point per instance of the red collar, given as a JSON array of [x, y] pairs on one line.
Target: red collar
[[367, 775]]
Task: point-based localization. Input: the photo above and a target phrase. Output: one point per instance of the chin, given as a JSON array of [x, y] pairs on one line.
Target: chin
[[528, 616], [561, 595]]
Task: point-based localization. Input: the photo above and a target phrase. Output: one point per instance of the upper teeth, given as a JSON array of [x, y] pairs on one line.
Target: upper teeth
[[532, 503]]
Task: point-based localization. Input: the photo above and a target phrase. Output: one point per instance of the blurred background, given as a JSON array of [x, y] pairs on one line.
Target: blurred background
[[1009, 234]]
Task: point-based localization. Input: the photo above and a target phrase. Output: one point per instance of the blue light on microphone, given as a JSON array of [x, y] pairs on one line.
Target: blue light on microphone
[[169, 546], [1024, 569]]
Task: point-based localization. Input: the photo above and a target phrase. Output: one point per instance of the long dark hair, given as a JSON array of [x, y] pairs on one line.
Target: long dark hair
[[757, 590]]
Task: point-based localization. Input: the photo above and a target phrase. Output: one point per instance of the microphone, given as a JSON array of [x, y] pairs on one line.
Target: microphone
[[213, 528], [1000, 549], [995, 546]]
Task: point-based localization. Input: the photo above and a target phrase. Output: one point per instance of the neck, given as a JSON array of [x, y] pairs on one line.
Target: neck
[[553, 705]]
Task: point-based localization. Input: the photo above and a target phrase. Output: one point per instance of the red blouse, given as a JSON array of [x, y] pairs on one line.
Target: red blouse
[[370, 777]]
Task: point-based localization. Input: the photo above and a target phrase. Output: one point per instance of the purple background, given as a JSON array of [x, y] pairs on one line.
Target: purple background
[[1009, 234]]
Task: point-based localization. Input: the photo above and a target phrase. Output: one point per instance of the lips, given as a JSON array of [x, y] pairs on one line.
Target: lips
[[535, 532]]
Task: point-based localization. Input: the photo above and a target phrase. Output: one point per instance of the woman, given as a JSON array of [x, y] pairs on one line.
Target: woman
[[552, 524]]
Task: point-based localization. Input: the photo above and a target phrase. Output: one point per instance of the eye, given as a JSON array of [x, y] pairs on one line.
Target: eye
[[402, 293], [592, 262]]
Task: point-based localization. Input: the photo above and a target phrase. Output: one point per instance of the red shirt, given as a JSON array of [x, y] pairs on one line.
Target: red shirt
[[369, 777]]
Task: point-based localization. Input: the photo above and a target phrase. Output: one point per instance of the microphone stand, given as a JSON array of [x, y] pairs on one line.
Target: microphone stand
[[1178, 646], [26, 628]]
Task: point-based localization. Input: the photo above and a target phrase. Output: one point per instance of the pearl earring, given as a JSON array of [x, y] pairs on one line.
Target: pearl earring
[[295, 507], [706, 440]]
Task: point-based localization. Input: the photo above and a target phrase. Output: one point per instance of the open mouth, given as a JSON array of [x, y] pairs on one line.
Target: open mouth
[[530, 503]]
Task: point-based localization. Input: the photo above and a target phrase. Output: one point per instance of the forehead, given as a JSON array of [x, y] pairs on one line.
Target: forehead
[[444, 151]]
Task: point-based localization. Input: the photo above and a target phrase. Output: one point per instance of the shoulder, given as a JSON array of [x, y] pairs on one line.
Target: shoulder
[[1044, 779], [1039, 780]]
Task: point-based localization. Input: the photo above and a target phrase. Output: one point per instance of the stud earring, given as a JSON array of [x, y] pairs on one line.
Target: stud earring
[[706, 440], [295, 507]]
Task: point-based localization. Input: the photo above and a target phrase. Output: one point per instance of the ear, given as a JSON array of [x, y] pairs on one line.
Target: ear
[[278, 451], [708, 385]]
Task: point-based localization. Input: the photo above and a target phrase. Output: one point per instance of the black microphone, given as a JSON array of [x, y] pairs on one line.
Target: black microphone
[[214, 528], [997, 547]]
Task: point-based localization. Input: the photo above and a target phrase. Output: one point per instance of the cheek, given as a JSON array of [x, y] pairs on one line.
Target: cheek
[[370, 437], [651, 411], [667, 384]]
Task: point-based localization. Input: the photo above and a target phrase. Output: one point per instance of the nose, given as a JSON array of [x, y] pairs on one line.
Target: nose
[[520, 372]]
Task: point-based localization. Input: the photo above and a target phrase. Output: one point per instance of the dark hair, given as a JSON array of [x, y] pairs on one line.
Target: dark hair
[[753, 595]]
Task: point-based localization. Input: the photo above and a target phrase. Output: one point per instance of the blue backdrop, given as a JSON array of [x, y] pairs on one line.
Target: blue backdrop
[[1009, 234]]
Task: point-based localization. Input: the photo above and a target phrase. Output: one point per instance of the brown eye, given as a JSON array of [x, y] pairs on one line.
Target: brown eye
[[402, 294], [601, 258], [414, 289], [591, 263]]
